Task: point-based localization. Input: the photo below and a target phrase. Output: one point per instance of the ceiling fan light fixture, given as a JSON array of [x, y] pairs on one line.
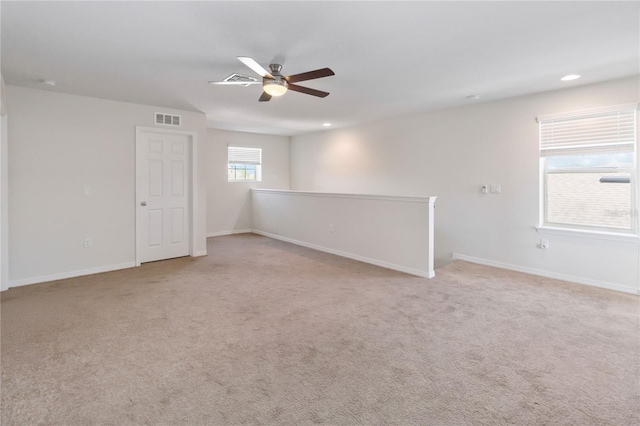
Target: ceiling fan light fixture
[[275, 87]]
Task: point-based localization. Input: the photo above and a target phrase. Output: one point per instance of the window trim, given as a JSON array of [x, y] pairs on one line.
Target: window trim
[[587, 233]]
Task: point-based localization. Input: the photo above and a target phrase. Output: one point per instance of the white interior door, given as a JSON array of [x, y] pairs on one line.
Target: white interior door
[[163, 194]]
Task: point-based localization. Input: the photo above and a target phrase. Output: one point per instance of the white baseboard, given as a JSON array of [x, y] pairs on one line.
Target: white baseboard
[[411, 271], [547, 274], [234, 231], [200, 253], [70, 274]]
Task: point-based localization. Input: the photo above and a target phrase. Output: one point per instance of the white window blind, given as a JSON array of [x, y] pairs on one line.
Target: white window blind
[[243, 155], [598, 132]]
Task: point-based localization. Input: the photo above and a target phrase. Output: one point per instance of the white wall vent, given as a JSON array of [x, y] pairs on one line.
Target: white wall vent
[[168, 119]]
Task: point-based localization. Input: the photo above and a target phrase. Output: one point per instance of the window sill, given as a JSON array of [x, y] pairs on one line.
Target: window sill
[[600, 235]]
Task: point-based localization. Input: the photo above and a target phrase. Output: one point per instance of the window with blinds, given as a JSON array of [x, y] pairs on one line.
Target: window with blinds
[[587, 162], [245, 164]]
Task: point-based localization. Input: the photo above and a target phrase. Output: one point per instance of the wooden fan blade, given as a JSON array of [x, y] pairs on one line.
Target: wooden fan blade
[[256, 67], [265, 97], [234, 83], [306, 90], [323, 72]]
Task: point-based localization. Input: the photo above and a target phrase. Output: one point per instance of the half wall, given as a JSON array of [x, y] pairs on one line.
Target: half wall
[[392, 232]]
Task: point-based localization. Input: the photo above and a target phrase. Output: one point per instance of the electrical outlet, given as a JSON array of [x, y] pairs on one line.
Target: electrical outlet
[[88, 242], [86, 191], [332, 228]]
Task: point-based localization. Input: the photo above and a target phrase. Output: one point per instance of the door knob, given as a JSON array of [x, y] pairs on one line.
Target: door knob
[[144, 203]]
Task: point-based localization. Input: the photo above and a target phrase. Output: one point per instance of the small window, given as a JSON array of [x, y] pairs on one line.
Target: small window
[[587, 162], [245, 164]]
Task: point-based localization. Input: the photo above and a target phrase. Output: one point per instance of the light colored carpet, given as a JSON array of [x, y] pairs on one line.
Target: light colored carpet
[[264, 332]]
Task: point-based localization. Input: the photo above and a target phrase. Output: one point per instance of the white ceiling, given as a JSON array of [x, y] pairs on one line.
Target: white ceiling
[[390, 58]]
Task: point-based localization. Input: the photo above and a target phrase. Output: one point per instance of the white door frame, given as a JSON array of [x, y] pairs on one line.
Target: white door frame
[[193, 187]]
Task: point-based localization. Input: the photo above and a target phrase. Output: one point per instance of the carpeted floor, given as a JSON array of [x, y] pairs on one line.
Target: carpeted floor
[[264, 332]]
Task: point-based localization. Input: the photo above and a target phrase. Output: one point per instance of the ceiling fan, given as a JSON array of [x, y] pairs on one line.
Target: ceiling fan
[[273, 82]]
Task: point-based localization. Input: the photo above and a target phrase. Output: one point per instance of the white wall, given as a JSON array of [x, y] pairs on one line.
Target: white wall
[[450, 154], [229, 203], [60, 143], [4, 190]]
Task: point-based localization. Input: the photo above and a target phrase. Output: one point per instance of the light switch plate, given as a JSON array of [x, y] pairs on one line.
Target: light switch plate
[[494, 188]]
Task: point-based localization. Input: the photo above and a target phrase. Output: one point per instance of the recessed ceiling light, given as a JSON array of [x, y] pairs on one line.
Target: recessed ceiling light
[[326, 124], [570, 77], [473, 97]]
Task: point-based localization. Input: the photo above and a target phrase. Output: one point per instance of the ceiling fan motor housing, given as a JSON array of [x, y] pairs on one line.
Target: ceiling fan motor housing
[[277, 76], [277, 80], [275, 70]]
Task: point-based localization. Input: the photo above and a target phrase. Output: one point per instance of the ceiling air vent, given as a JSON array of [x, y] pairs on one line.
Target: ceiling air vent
[[239, 77], [168, 119]]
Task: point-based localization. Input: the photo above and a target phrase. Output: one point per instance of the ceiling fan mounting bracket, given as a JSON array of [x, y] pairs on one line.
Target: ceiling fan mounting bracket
[[275, 69]]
